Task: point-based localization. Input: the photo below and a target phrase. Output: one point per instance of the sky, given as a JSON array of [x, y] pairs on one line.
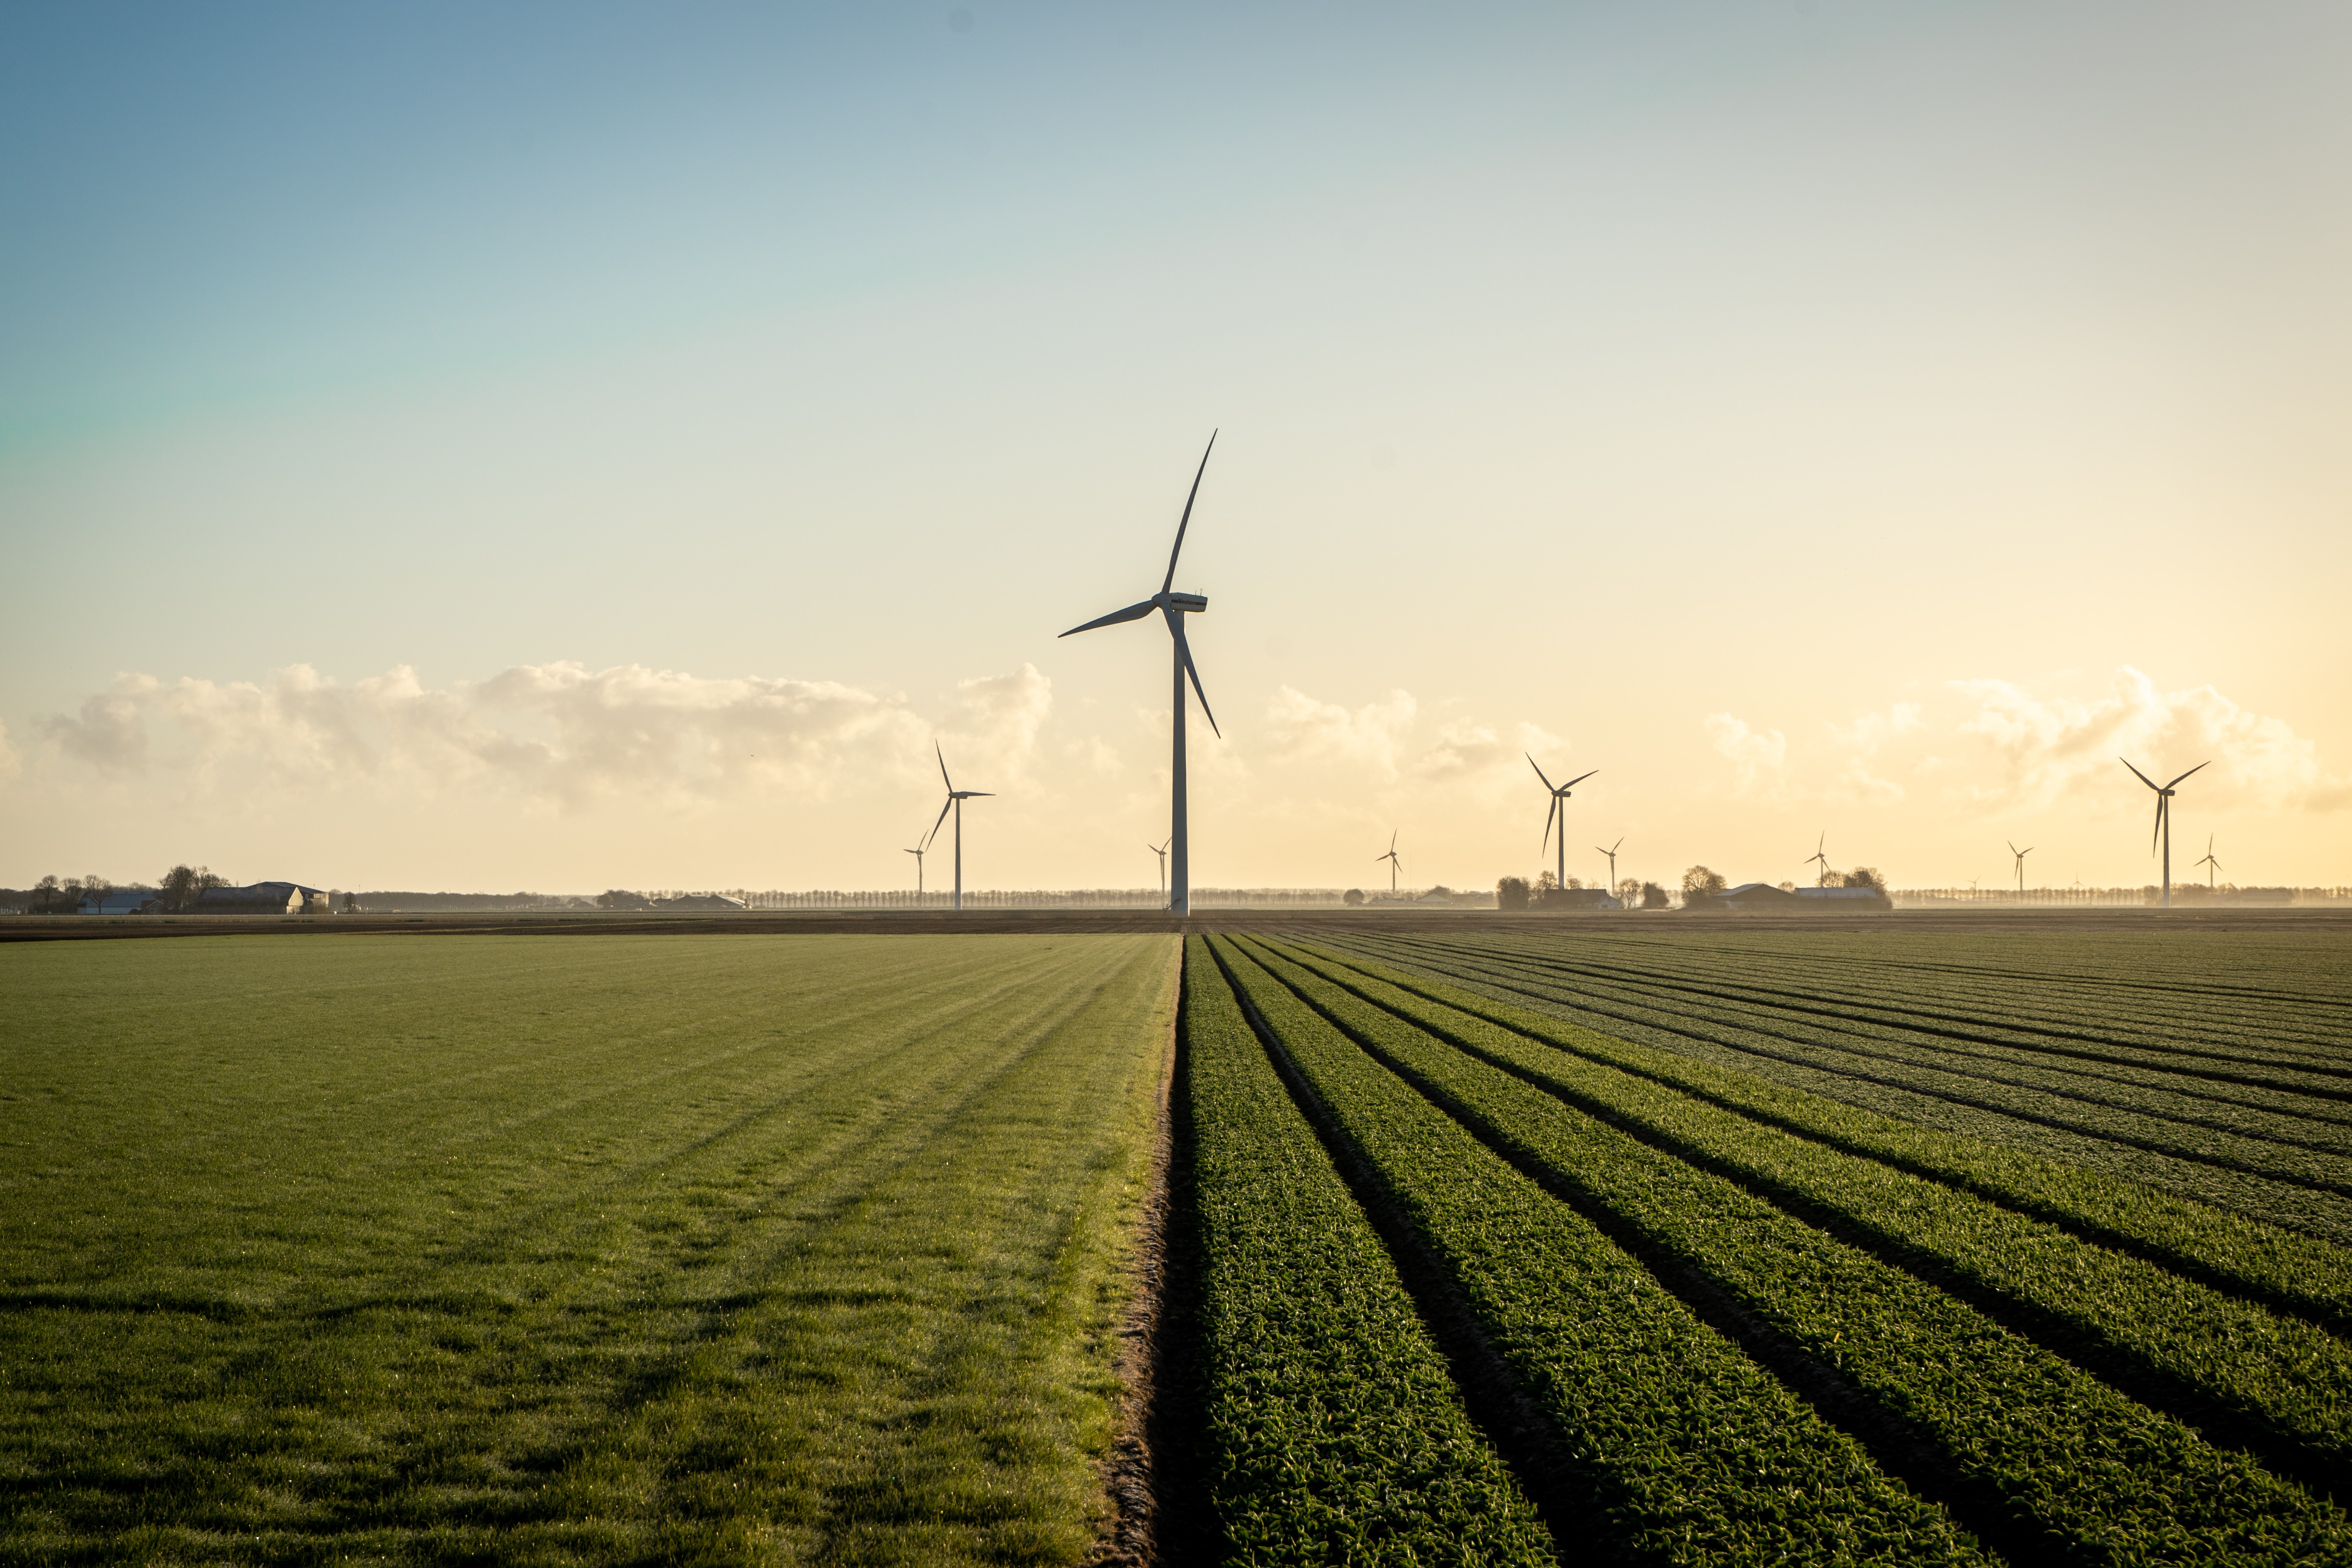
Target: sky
[[559, 448]]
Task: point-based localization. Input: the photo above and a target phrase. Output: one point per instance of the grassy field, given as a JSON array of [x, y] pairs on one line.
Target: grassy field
[[612, 1249], [1806, 1248]]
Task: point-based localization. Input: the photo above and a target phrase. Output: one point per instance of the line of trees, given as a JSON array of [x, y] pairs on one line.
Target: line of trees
[[54, 895]]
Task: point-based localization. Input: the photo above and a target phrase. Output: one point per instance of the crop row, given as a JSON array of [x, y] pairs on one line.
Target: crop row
[[2041, 1448], [2287, 1377], [1332, 1429], [2317, 1184], [1692, 1451], [2235, 1051], [2266, 1262], [2265, 1114], [2121, 1005]]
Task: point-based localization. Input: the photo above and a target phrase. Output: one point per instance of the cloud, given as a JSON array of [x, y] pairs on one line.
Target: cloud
[[1302, 729], [559, 732], [1759, 755], [11, 765], [2033, 750]]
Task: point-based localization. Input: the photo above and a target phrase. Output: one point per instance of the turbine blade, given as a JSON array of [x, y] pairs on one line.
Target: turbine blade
[[1184, 652], [1186, 521], [1620, 844], [1540, 773], [934, 833], [1132, 612], [943, 767], [2139, 775], [2013, 845], [2153, 832], [2207, 764], [977, 794], [1548, 817], [1579, 779]]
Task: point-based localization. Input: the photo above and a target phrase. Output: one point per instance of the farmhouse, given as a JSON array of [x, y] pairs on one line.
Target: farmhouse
[[1576, 898], [1763, 898], [261, 899], [119, 901]]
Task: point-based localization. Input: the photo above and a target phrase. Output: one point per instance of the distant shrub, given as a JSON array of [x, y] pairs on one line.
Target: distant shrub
[[1511, 893]]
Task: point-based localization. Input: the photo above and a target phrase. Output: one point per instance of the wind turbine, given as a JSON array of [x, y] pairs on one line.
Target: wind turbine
[[1820, 854], [1173, 607], [2021, 855], [1558, 810], [2163, 820], [1394, 863], [956, 797], [1611, 853], [918, 853], [2209, 864], [1161, 850]]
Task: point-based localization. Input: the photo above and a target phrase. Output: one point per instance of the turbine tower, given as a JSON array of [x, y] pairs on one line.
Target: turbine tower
[[1173, 607], [1820, 854], [2209, 864], [2163, 820], [1161, 850], [1559, 811], [1394, 863], [1611, 853], [956, 797], [2020, 854], [918, 853]]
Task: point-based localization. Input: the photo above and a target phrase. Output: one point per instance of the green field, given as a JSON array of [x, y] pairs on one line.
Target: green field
[[1770, 1232], [613, 1249], [1641, 1244]]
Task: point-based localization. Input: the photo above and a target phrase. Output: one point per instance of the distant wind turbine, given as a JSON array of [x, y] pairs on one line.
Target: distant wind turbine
[[1559, 812], [1820, 854], [2209, 864], [1161, 850], [2163, 819], [956, 797], [1173, 607], [2021, 855], [1394, 863], [918, 853], [1611, 853]]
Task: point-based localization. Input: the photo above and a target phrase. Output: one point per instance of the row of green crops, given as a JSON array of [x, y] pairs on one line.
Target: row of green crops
[[2263, 1263], [1333, 1431], [2289, 1377], [2232, 1062], [2042, 1451], [1683, 1447], [2118, 1013], [2271, 1130], [2183, 1159]]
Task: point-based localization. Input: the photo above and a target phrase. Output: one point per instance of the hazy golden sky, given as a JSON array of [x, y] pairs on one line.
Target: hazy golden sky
[[596, 446]]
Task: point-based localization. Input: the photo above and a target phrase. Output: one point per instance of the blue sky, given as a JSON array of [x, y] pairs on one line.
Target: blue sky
[[1640, 381]]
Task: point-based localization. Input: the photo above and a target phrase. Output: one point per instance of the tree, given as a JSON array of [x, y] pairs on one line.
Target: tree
[[1352, 897], [51, 896], [182, 884], [1511, 893], [1866, 877], [1545, 883], [1700, 880], [620, 899], [1629, 891], [1654, 896]]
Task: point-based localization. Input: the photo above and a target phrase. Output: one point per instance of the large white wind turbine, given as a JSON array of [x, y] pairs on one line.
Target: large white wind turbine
[[1394, 863], [1559, 813], [1173, 607], [918, 853], [2209, 864], [2163, 820], [1161, 850], [1821, 853], [956, 797], [2021, 855]]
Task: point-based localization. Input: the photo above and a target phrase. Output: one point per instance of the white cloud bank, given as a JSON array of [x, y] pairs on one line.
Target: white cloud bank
[[1995, 745], [558, 732]]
